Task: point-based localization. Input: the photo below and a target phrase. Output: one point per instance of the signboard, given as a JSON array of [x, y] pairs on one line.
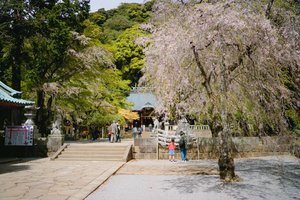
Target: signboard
[[19, 136]]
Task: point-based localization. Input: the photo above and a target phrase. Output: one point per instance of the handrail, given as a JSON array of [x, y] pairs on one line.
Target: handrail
[[165, 139], [171, 129], [199, 127], [191, 127]]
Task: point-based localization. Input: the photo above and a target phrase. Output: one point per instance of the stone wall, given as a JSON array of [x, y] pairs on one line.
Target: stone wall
[[207, 148], [295, 150], [145, 148]]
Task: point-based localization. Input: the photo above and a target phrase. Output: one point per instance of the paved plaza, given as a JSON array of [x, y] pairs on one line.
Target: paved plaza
[[262, 178], [54, 180]]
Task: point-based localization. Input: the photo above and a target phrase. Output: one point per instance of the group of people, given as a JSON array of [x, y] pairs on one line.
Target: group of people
[[137, 131], [182, 147], [114, 132]]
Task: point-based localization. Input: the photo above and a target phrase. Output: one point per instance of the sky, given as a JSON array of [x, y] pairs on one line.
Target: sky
[[109, 4]]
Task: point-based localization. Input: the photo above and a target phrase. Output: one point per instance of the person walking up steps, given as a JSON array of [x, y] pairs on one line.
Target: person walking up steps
[[172, 147]]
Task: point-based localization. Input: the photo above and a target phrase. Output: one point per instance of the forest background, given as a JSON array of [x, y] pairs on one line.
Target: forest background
[[77, 64], [82, 65]]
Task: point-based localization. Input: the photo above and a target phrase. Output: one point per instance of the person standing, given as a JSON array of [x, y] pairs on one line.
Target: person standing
[[95, 134], [109, 132], [140, 131], [118, 134], [114, 131], [172, 147], [183, 146], [134, 131]]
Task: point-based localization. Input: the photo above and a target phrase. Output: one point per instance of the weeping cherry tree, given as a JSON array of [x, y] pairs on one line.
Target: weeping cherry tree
[[221, 61]]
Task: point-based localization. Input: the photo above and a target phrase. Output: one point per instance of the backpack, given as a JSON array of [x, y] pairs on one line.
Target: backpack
[[140, 130], [182, 143]]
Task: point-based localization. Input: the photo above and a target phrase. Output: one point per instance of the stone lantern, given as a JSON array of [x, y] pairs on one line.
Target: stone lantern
[[30, 114]]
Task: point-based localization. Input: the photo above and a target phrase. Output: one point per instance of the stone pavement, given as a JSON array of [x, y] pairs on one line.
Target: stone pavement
[[41, 179], [265, 178], [262, 178]]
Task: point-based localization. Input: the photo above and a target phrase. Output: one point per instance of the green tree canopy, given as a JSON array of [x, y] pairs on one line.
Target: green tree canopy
[[93, 96], [129, 56]]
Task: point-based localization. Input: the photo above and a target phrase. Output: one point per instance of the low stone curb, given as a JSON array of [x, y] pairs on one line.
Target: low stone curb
[[127, 154], [59, 151], [93, 185]]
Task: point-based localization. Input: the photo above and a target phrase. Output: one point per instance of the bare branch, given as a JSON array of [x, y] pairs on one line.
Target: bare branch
[[203, 72], [269, 8]]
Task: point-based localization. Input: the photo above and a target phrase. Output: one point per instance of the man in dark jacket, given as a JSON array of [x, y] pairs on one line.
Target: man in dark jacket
[[183, 146]]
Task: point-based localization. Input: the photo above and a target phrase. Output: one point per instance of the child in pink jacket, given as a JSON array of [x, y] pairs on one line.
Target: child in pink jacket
[[172, 147]]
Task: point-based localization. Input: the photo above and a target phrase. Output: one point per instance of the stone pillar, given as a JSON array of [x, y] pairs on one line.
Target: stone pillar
[[167, 127]]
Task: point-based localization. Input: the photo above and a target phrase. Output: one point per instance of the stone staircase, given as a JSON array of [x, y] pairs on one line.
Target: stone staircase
[[96, 152]]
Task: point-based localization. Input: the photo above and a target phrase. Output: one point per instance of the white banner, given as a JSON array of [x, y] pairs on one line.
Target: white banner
[[19, 136]]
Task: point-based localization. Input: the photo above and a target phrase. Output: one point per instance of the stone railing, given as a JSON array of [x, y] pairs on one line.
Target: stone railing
[[208, 148], [164, 139], [193, 130], [199, 127]]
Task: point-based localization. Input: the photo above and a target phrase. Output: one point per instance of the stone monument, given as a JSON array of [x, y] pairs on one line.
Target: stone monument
[[55, 139]]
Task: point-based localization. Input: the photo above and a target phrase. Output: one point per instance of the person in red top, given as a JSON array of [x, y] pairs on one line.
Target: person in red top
[[172, 147]]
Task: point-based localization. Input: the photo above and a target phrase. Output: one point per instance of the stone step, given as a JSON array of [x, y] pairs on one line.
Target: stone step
[[94, 149], [94, 152], [97, 147], [88, 159], [108, 144], [90, 156]]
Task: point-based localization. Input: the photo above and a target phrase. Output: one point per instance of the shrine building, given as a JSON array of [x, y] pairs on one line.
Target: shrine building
[[144, 103], [10, 106]]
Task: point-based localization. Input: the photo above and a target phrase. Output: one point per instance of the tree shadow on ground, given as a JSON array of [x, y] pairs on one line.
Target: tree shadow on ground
[[191, 183], [12, 167], [261, 179]]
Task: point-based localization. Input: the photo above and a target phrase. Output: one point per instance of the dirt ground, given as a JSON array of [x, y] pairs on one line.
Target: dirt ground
[[165, 167]]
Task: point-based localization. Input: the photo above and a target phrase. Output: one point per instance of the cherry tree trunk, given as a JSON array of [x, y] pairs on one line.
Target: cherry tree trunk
[[226, 162]]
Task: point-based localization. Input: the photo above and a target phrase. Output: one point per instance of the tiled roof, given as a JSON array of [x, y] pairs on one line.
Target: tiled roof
[[142, 100], [7, 96], [8, 90]]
